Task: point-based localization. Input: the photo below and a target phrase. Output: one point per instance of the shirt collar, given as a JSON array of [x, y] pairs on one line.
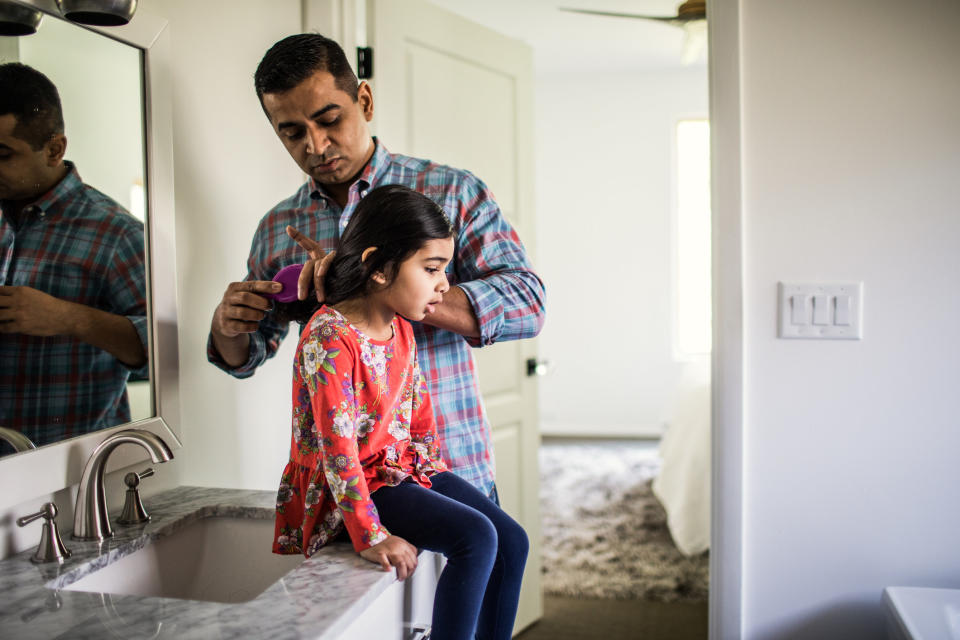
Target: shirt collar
[[371, 173], [54, 201]]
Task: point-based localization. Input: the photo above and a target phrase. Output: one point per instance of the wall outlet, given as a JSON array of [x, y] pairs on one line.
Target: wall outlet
[[821, 311]]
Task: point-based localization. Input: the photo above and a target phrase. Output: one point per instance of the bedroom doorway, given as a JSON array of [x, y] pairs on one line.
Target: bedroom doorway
[[623, 242], [611, 242]]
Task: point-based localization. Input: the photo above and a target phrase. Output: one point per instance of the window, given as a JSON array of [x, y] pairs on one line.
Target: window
[[692, 314]]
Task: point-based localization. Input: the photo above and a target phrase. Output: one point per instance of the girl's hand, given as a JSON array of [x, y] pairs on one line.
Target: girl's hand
[[393, 552]]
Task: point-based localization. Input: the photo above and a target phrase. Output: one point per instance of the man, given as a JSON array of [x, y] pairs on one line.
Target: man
[[320, 112], [72, 277]]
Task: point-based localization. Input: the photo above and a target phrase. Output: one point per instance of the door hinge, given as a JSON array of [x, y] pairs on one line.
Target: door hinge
[[364, 63]]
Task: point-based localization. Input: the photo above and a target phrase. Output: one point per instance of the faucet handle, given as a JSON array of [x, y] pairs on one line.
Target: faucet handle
[[133, 511], [132, 480], [51, 548]]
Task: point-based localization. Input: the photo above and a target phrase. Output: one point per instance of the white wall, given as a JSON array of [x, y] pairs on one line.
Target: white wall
[[851, 152], [98, 80], [605, 171], [230, 168]]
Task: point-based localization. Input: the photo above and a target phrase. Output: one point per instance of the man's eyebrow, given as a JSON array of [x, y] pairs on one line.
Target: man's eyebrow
[[5, 147], [313, 116]]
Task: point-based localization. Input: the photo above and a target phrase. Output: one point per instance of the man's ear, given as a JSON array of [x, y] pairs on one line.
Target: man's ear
[[55, 149], [365, 100]]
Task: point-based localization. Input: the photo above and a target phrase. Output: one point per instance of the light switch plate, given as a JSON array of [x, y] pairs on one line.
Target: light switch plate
[[849, 326]]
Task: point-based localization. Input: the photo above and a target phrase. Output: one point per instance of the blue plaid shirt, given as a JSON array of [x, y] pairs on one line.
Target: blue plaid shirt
[[489, 264], [76, 244]]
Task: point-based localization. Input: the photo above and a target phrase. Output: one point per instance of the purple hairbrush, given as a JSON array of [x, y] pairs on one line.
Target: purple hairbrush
[[288, 277]]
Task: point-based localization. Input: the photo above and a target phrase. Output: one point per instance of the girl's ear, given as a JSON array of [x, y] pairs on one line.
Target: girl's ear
[[377, 276]]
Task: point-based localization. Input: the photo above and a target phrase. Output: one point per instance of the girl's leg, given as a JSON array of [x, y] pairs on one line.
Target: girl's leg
[[462, 534], [499, 608]]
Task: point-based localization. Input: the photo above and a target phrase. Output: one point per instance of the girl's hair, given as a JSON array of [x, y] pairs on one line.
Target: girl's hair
[[396, 220]]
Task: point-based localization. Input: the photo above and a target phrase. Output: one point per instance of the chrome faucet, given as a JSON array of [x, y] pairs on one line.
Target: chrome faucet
[[17, 440], [90, 520]]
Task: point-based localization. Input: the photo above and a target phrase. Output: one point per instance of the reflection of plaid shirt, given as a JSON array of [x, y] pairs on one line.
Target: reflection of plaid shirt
[[489, 264], [75, 244]]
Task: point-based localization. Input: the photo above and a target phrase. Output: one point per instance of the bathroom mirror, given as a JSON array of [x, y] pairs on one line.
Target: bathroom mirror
[[100, 85], [116, 101]]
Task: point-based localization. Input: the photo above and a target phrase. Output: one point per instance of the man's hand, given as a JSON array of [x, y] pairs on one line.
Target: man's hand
[[393, 552], [238, 315], [34, 313], [314, 268], [243, 307]]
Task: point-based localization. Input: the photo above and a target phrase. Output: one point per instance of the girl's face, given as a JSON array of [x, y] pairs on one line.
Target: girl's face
[[420, 281]]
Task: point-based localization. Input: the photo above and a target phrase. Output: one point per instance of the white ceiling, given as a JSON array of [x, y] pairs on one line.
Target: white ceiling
[[563, 41]]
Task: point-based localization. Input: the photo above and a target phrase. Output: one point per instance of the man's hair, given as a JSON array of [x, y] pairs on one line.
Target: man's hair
[[34, 102], [295, 58]]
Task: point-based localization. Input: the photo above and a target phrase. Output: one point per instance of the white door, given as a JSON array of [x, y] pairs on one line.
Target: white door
[[452, 91]]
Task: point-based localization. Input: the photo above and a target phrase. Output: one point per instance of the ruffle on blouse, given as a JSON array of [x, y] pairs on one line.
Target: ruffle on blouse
[[308, 516]]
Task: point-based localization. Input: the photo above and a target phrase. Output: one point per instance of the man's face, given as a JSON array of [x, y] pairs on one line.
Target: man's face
[[24, 172], [323, 129]]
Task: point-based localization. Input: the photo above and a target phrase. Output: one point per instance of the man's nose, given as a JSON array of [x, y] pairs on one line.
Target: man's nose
[[317, 141]]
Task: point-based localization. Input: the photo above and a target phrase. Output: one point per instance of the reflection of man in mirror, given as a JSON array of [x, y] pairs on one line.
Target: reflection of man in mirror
[[72, 278]]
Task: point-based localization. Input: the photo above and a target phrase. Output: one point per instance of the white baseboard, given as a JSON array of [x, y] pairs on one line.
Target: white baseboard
[[581, 430]]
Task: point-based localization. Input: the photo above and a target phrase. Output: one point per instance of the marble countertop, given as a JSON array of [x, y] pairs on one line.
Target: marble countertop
[[315, 601]]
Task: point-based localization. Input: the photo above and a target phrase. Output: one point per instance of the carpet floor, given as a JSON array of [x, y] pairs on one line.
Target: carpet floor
[[604, 532]]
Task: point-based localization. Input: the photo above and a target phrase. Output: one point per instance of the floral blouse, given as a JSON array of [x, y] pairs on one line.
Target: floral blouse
[[362, 419]]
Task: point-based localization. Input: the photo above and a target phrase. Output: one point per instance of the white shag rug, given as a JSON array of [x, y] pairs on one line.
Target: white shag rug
[[604, 532]]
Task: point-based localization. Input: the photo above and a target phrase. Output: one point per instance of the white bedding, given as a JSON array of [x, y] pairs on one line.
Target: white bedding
[[683, 485]]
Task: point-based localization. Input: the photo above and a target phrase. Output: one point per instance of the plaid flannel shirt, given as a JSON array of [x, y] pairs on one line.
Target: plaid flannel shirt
[[489, 264], [76, 244]]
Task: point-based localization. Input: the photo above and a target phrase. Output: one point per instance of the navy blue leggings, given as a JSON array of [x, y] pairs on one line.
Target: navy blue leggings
[[485, 550]]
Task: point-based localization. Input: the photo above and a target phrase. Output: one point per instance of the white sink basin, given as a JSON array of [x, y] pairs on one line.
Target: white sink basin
[[215, 559]]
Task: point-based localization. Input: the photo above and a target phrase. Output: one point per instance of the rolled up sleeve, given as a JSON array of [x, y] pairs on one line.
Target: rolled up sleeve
[[493, 269], [128, 285]]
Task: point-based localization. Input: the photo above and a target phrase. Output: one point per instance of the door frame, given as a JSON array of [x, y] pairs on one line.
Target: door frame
[[727, 376]]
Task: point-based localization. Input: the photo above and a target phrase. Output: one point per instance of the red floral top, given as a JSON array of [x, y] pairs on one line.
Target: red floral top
[[362, 419]]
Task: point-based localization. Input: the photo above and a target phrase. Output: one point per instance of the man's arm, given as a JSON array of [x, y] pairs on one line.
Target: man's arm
[[498, 296], [110, 332], [32, 312], [455, 314], [243, 333], [233, 351]]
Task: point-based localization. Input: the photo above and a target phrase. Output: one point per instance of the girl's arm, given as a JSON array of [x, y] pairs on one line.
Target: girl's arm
[[337, 417], [423, 425]]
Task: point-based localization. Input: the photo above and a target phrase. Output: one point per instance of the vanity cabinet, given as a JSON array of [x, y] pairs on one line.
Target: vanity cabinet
[[333, 595], [403, 607]]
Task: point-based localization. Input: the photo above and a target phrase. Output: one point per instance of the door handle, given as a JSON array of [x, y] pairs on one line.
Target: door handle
[[537, 367]]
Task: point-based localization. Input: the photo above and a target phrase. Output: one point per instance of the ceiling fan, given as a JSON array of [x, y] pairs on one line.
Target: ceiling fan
[[691, 17]]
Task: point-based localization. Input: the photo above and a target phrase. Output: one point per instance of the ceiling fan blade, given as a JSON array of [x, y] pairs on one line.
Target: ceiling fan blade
[[614, 14]]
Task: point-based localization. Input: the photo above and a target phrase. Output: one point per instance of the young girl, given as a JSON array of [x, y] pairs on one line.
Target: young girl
[[365, 454]]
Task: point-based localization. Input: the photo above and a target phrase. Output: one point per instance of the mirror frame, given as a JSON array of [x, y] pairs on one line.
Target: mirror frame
[[57, 466]]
